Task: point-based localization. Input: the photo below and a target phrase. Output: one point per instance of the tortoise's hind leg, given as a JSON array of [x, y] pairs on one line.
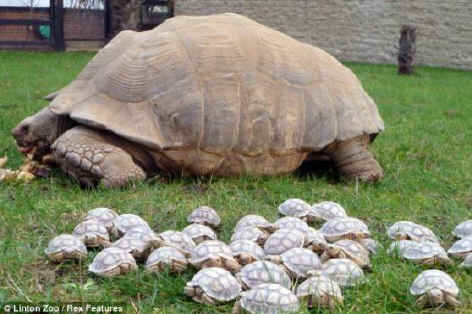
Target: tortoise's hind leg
[[354, 161], [93, 157]]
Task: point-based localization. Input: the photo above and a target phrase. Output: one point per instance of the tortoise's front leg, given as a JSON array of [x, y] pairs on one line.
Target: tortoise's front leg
[[354, 161], [90, 157]]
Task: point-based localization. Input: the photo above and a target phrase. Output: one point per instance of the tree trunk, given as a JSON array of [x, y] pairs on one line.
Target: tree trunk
[[407, 49]]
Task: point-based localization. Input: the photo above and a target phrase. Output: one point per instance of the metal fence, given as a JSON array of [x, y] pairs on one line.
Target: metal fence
[[51, 27]]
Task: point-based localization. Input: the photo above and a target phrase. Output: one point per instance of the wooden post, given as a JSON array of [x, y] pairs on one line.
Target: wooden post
[[407, 49], [59, 25], [108, 20]]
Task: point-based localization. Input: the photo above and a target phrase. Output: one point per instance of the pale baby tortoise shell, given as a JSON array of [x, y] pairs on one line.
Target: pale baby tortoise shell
[[315, 240], [327, 210], [144, 234], [250, 233], [426, 253], [373, 246], [344, 271], [254, 221], [214, 253], [344, 228], [66, 247], [350, 249], [291, 223], [177, 239], [296, 207], [166, 257], [467, 263], [204, 215], [464, 229], [136, 247], [93, 233], [246, 251], [320, 291], [112, 261], [283, 240], [199, 233], [398, 247], [268, 299], [461, 248], [298, 262], [104, 215], [213, 285], [261, 272], [125, 222], [435, 287], [407, 230]]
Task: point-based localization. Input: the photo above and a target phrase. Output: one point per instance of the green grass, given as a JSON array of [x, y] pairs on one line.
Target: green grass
[[425, 152]]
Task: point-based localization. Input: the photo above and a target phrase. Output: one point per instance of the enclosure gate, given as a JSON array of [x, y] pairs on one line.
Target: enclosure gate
[[43, 28]]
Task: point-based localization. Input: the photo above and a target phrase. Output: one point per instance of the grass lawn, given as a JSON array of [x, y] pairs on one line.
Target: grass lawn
[[425, 152]]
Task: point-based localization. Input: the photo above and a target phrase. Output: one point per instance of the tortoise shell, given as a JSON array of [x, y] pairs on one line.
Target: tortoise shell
[[269, 298], [216, 86], [433, 278], [217, 283]]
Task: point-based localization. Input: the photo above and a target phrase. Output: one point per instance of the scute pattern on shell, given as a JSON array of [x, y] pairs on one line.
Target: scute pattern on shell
[[261, 272], [344, 271], [252, 221], [319, 286], [249, 233], [314, 238], [400, 246], [300, 261], [424, 250], [178, 240], [412, 230], [125, 222], [210, 248], [92, 232], [293, 89], [461, 247], [247, 247], [198, 231], [291, 223], [68, 245], [136, 247], [204, 215], [112, 261], [143, 234], [433, 278], [464, 229], [344, 228], [217, 283], [353, 250], [283, 240], [166, 255], [269, 298], [328, 210], [104, 215], [295, 207]]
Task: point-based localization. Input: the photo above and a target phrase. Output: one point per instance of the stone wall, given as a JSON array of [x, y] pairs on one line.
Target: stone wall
[[361, 30]]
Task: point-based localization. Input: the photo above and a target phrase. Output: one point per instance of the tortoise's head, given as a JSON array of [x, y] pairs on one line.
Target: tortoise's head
[[36, 133]]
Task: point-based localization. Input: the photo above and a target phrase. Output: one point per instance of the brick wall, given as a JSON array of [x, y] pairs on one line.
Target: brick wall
[[20, 32], [78, 24], [361, 30]]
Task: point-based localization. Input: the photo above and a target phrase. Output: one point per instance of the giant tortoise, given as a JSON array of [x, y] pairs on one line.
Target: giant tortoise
[[218, 94]]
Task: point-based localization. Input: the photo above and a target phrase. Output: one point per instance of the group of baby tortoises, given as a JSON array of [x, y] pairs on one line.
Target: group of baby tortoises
[[264, 261]]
